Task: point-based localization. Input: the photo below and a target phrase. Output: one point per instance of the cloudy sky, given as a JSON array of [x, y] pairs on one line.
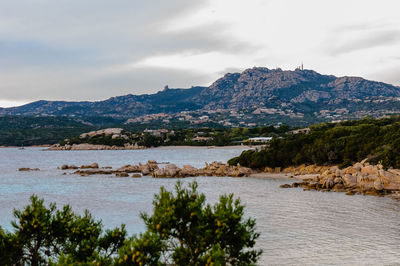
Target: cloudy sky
[[95, 49]]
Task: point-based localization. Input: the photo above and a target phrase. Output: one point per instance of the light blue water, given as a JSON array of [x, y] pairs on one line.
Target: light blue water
[[297, 227]]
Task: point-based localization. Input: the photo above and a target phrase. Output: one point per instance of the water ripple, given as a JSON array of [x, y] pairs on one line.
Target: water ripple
[[297, 227]]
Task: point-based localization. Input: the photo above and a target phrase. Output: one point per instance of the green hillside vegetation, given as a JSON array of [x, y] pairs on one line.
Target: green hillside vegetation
[[38, 130], [182, 230], [332, 144], [26, 131], [206, 137]]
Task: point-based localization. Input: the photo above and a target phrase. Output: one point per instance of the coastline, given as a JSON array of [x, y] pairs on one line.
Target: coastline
[[360, 178], [103, 147], [32, 146]]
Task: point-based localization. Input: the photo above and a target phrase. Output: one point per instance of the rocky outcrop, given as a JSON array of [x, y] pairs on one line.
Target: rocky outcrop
[[68, 167], [121, 174], [152, 168], [360, 178], [23, 169], [212, 169]]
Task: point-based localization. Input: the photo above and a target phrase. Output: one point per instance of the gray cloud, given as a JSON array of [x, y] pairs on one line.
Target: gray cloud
[[70, 49], [370, 39], [93, 84], [230, 70], [75, 49], [389, 74]]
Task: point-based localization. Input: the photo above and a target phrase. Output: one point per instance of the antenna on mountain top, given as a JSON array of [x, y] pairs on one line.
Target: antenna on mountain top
[[302, 67]]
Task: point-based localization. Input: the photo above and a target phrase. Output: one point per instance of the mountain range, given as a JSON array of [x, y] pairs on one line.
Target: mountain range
[[298, 91]]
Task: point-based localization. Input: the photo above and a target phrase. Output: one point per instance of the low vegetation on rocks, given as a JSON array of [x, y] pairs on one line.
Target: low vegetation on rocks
[[182, 230]]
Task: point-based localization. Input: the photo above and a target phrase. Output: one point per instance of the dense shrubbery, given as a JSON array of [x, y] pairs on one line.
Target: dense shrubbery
[[18, 130], [183, 230], [332, 143]]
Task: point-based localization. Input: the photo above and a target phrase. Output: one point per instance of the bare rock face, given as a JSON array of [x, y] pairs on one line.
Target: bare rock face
[[328, 183], [188, 170], [338, 180], [378, 185], [171, 170], [350, 180], [145, 169], [369, 170], [359, 178], [148, 168]]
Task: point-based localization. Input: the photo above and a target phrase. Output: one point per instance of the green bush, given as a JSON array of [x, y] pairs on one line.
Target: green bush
[[332, 143], [182, 230], [193, 233]]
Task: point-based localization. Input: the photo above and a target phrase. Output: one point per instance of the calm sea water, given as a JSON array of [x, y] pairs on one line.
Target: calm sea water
[[297, 227]]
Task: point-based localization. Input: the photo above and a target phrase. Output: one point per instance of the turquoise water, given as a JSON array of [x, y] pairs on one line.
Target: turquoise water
[[297, 227]]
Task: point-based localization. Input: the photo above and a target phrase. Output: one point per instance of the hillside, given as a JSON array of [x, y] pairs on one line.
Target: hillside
[[295, 94], [174, 100], [342, 144], [262, 86]]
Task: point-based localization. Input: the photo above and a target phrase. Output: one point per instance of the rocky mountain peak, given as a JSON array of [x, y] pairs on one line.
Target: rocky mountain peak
[[258, 86]]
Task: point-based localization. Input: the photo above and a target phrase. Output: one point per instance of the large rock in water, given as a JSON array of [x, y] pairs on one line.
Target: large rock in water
[[171, 170], [188, 170], [145, 169]]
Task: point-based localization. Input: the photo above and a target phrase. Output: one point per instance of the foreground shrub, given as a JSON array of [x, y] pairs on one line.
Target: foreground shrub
[[45, 233], [189, 232]]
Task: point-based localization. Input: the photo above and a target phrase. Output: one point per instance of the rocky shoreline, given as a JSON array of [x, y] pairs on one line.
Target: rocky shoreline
[[94, 147], [360, 178], [155, 169]]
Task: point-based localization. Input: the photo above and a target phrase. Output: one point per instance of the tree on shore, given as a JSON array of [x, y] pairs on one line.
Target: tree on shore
[[342, 144], [183, 230]]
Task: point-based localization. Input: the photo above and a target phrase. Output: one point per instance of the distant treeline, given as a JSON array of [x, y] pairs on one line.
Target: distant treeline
[[26, 131], [332, 144], [177, 137], [38, 130]]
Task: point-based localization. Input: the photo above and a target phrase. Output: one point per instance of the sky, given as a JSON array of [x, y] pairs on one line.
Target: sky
[[95, 49]]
